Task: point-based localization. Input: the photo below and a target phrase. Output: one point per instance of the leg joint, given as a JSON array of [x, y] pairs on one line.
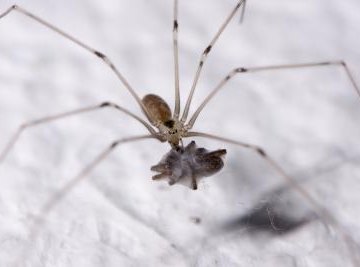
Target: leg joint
[[176, 25], [261, 151], [114, 144], [99, 54], [207, 50]]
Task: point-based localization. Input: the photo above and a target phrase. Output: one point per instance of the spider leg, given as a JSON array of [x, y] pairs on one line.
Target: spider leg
[[176, 60], [10, 144], [40, 219], [73, 182], [95, 52], [204, 57], [321, 211], [160, 176], [242, 15], [268, 68]]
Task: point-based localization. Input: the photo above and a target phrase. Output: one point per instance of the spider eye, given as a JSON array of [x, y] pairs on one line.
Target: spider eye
[[169, 123]]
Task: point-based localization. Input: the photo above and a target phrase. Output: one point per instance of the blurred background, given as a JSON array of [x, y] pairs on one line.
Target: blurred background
[[246, 215]]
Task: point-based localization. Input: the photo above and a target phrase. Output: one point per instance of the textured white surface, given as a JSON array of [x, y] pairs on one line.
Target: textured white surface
[[308, 120]]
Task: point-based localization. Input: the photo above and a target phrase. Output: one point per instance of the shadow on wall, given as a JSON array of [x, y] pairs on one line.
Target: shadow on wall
[[277, 212]]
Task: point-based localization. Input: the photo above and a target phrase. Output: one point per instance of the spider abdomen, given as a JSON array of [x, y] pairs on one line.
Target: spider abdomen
[[157, 108]]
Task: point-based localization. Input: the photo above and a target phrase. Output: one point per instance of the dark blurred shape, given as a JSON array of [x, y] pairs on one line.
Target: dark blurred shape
[[196, 220], [263, 219], [186, 165], [279, 212]]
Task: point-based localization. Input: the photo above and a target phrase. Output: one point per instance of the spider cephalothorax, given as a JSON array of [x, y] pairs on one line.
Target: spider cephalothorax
[[186, 165]]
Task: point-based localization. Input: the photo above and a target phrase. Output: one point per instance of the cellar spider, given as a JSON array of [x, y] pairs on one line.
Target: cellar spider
[[172, 128]]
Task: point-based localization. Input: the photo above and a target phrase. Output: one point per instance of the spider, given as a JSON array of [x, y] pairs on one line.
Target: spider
[[172, 127]]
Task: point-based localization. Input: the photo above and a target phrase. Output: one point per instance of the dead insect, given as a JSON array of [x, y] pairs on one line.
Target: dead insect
[[189, 164]]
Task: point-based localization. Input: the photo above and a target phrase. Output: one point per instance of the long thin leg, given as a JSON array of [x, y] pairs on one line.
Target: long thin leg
[[176, 61], [322, 212], [95, 52], [204, 57], [242, 15], [47, 119], [69, 186], [267, 68]]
